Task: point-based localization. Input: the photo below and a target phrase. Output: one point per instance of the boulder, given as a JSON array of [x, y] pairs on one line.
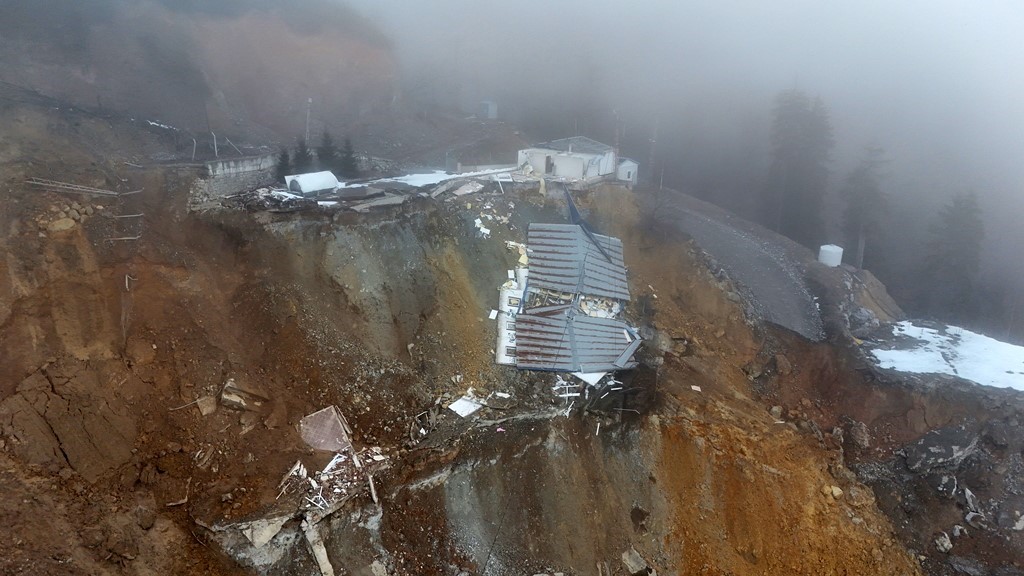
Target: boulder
[[944, 448]]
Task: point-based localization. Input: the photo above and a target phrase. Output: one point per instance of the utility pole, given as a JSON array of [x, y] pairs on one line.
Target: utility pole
[[654, 142], [309, 106]]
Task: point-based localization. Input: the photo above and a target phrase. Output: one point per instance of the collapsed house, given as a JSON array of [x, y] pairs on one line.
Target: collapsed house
[[577, 159], [561, 312]]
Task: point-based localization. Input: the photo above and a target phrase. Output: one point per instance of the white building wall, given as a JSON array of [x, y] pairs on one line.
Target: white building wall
[[569, 166], [628, 171]]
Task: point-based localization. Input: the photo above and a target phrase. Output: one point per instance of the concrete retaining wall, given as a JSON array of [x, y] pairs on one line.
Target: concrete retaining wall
[[227, 177]]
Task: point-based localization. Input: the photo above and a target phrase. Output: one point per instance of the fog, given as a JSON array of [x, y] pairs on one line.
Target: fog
[[938, 85]]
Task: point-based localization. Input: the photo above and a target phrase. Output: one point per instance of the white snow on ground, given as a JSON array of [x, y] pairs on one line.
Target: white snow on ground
[[957, 352], [428, 179], [284, 194]]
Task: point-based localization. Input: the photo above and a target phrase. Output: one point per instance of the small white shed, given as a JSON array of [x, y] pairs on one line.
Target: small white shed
[[627, 170], [312, 183]]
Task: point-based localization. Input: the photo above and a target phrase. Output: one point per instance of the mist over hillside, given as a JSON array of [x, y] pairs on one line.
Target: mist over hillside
[[237, 66]]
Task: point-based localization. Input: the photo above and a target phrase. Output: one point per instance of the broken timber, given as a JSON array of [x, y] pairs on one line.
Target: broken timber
[[56, 186]]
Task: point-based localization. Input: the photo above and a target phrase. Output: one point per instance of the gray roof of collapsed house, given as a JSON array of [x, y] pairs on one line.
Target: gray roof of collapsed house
[[564, 258], [580, 144], [563, 341]]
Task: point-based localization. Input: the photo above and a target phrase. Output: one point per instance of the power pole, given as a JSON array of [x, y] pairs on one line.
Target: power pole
[[309, 105], [654, 142]]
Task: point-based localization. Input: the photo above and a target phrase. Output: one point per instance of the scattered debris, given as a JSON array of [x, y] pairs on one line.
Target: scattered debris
[[240, 397]]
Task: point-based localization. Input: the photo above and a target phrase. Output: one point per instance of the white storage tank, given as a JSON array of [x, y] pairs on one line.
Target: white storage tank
[[830, 255]]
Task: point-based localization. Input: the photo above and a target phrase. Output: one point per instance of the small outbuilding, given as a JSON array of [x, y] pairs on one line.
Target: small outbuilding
[[312, 183], [627, 171]]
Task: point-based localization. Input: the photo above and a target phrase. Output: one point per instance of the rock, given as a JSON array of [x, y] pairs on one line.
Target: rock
[[999, 434], [962, 565], [65, 208], [92, 536], [943, 543], [207, 405], [74, 215], [61, 224], [859, 497], [782, 365], [89, 210], [145, 517], [776, 412], [76, 206], [842, 473], [378, 568], [943, 448], [752, 369], [837, 492], [149, 475], [634, 562], [975, 519], [863, 322], [260, 532], [860, 435], [121, 544]]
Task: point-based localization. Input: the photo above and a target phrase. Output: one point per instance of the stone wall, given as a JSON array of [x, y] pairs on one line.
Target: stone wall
[[226, 177]]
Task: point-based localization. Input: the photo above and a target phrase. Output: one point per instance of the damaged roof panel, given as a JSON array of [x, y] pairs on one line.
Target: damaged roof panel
[[563, 257], [573, 343]]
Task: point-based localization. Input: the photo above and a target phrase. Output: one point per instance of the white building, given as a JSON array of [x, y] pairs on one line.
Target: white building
[[576, 158], [627, 170], [312, 183]]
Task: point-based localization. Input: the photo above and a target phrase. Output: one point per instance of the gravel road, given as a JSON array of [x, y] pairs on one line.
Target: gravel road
[[766, 266]]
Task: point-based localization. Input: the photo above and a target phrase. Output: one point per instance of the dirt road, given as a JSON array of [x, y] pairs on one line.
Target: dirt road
[[767, 267]]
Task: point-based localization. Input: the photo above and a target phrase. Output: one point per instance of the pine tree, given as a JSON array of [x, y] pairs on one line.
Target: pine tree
[[302, 160], [954, 259], [801, 148], [284, 165], [866, 204], [349, 165], [327, 152]]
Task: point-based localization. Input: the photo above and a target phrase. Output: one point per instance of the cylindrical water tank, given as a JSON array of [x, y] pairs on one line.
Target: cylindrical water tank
[[830, 255]]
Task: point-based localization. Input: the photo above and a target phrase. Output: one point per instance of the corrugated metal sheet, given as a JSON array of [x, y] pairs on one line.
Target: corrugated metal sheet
[[580, 144], [565, 258], [565, 341]]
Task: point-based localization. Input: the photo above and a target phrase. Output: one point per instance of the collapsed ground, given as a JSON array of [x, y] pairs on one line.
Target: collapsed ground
[[107, 345]]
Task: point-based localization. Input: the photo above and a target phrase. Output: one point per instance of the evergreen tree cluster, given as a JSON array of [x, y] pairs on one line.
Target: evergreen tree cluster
[[326, 156], [801, 147]]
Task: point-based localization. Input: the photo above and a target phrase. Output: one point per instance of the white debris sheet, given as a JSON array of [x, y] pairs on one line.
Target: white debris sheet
[[465, 406], [956, 352], [326, 430]]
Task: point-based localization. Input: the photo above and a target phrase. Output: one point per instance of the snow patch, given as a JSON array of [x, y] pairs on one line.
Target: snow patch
[[427, 179], [957, 352]]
